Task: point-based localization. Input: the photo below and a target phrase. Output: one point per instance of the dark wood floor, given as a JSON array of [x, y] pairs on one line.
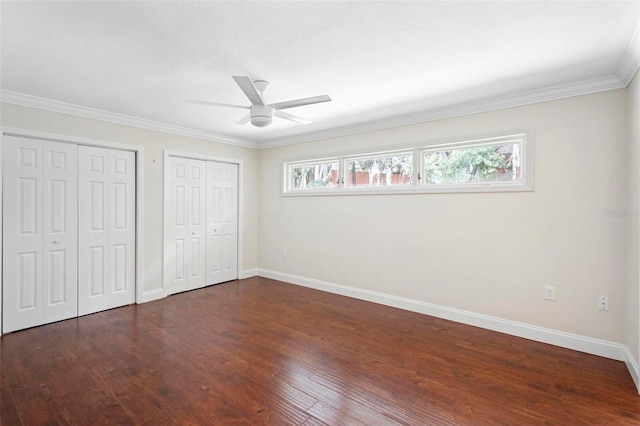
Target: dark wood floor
[[259, 351]]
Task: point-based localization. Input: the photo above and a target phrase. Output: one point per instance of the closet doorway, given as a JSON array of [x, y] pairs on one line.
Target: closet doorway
[[69, 228], [201, 225]]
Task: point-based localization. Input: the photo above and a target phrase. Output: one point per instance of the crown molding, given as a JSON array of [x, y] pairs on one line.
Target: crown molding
[[628, 66], [578, 88], [22, 99], [630, 62]]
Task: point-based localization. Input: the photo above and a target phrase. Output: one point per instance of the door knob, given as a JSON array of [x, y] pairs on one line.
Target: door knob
[[56, 241]]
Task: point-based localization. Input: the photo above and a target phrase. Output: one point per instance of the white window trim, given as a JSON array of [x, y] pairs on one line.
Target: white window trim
[[317, 191], [419, 148]]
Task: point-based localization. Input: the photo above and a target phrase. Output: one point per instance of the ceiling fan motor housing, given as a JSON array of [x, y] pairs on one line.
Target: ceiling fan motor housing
[[261, 116]]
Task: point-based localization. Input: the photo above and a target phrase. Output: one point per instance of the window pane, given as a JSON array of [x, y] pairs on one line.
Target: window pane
[[389, 170], [492, 163], [312, 175]]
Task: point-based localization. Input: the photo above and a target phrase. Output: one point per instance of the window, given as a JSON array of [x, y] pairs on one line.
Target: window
[[489, 164], [319, 174], [382, 170], [472, 164]]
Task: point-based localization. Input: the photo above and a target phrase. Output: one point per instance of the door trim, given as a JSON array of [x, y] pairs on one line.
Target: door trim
[[56, 137], [195, 156]]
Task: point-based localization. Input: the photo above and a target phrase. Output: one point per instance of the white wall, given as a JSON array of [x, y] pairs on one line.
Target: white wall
[[488, 253], [632, 218], [485, 253], [154, 143]]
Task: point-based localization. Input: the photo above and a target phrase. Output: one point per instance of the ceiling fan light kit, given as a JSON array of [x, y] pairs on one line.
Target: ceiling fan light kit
[[260, 113], [261, 116]]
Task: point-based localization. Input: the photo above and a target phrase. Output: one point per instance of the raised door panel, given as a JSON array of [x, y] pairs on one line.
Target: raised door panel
[[60, 230], [121, 210], [196, 222], [22, 234], [230, 222], [185, 224], [93, 224], [107, 229], [39, 240], [214, 222], [176, 216]]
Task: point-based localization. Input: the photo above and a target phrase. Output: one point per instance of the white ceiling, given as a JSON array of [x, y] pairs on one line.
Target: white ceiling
[[384, 63]]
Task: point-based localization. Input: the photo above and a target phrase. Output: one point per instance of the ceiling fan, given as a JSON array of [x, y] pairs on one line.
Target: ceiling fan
[[260, 113]]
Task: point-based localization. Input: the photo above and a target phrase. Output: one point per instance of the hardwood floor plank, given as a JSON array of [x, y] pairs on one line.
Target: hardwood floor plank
[[331, 416], [404, 406], [8, 412], [262, 352], [339, 400], [274, 418]]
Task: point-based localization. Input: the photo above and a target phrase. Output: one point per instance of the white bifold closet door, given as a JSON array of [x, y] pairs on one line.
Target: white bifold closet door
[[222, 222], [106, 189], [201, 223], [39, 232], [185, 223]]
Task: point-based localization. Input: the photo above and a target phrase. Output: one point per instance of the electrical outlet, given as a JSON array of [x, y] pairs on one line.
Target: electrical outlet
[[549, 292], [285, 253], [603, 303]]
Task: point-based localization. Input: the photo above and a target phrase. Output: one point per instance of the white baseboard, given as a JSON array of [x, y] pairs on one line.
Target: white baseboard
[[632, 366], [248, 273], [576, 342]]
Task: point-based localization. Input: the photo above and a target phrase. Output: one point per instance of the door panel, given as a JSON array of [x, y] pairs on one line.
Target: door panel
[[184, 224], [214, 222], [180, 260], [58, 206], [197, 172], [40, 236], [122, 235], [96, 273], [230, 223], [28, 271], [194, 247], [175, 225], [222, 213], [60, 260], [107, 229], [93, 234], [29, 198], [57, 264]]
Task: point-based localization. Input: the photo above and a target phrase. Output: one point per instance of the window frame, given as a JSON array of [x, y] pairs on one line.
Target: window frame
[[417, 150], [286, 189], [372, 155], [498, 186]]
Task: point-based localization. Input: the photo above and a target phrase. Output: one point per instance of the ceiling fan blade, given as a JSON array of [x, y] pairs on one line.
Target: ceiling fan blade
[[249, 89], [301, 102], [291, 117], [215, 104], [244, 120]]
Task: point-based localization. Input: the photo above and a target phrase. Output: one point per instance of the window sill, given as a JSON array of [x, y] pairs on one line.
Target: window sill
[[439, 189]]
